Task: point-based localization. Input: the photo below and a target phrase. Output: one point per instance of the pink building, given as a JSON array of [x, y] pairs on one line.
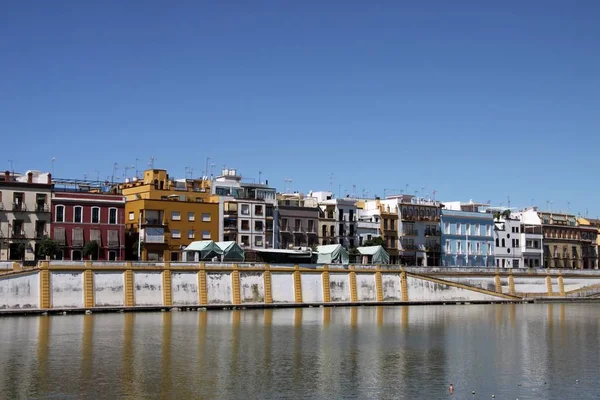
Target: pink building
[[82, 213]]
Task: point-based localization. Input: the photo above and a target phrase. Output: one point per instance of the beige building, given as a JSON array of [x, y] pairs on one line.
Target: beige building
[[24, 214]]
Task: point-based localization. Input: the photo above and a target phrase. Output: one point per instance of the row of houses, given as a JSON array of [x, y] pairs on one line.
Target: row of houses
[[155, 217]]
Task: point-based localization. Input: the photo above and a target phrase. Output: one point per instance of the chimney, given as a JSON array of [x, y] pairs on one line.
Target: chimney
[[6, 176], [30, 177], [49, 179]]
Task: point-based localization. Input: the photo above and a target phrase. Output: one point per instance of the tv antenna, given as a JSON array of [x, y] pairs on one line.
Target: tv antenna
[[151, 163]]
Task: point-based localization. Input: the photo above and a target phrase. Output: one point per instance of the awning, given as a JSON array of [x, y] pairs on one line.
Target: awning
[[207, 249], [332, 254], [376, 254], [231, 251]]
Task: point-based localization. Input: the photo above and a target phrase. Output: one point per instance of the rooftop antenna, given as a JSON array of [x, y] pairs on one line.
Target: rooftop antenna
[[115, 168], [568, 207], [259, 176], [97, 175], [127, 168], [508, 201], [288, 183], [53, 161], [136, 166], [211, 170], [434, 193], [206, 169], [340, 190], [331, 182], [151, 163], [12, 166], [354, 191], [85, 176]]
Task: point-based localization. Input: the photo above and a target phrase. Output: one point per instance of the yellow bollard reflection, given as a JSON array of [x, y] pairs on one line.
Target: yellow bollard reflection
[[43, 347], [379, 315], [166, 354]]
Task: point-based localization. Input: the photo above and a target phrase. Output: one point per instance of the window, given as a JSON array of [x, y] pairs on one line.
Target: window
[[258, 210], [489, 230], [112, 255], [174, 256], [176, 234], [77, 214], [448, 247], [458, 228], [477, 229], [468, 229], [459, 247], [497, 242], [191, 216], [60, 214], [478, 248], [516, 243], [112, 216], [258, 225], [95, 215], [245, 209], [503, 243], [175, 216], [258, 241], [245, 225], [206, 235], [489, 249], [341, 215], [447, 228], [206, 217], [76, 255], [245, 240], [191, 234], [469, 248], [516, 263], [131, 216]]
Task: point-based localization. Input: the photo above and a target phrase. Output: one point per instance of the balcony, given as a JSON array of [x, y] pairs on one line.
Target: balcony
[[42, 208], [408, 247], [18, 235], [299, 229], [410, 232], [433, 232], [153, 221], [39, 234], [433, 248], [19, 207]]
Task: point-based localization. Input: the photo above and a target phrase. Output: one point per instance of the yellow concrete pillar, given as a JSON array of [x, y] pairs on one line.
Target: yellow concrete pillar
[[235, 278], [202, 295], [498, 284], [45, 288], [353, 290], [268, 287], [549, 285], [326, 288], [404, 285], [167, 287], [129, 296], [561, 286], [16, 267], [511, 285], [378, 285], [88, 288], [297, 285]]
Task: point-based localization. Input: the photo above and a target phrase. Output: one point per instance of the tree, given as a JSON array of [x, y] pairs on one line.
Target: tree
[[506, 214], [47, 248], [21, 247], [91, 249], [376, 241]]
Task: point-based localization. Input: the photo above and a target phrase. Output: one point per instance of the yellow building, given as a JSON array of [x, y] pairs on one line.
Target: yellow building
[[166, 215]]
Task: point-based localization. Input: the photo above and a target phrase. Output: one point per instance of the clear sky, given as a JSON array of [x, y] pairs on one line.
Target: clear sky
[[475, 99]]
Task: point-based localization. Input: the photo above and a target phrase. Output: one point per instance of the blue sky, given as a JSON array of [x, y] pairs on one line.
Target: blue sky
[[477, 100]]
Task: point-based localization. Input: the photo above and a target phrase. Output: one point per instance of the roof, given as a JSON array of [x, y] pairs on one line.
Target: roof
[[329, 248], [225, 245], [199, 245], [368, 250]]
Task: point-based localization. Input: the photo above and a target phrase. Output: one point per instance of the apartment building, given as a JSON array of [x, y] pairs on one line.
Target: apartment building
[[531, 238], [419, 230], [507, 239], [165, 215], [589, 242], [246, 210], [24, 214], [562, 240], [85, 211], [337, 219], [297, 221], [467, 236], [379, 218]]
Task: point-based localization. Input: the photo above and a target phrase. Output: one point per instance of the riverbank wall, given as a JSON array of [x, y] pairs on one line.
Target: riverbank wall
[[129, 285]]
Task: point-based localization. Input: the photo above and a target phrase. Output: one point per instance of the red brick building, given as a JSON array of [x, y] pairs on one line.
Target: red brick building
[[82, 213]]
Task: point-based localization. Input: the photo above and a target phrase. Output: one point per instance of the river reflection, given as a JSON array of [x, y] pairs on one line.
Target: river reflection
[[363, 352]]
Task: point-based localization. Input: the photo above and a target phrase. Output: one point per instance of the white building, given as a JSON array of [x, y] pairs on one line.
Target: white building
[[337, 219], [532, 248], [245, 210], [507, 242]]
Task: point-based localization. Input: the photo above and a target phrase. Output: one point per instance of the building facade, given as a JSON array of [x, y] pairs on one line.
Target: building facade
[[419, 231], [246, 210], [83, 212], [507, 240], [380, 218], [589, 243], [531, 238], [467, 239], [562, 240], [337, 220], [164, 215], [24, 214], [297, 221]]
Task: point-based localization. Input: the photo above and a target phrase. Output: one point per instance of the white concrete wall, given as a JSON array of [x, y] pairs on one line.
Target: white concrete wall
[[282, 287], [312, 288], [147, 288], [109, 289], [422, 290], [252, 287], [219, 288], [66, 289], [574, 283], [339, 286], [391, 287], [184, 288], [530, 285], [365, 287], [486, 283], [20, 292]]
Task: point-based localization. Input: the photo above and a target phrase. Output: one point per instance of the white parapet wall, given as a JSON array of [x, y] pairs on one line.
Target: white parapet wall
[[109, 289], [282, 287], [312, 287], [365, 287], [184, 288], [391, 287], [424, 290], [66, 289], [339, 286], [147, 288], [219, 288], [252, 287], [20, 292]]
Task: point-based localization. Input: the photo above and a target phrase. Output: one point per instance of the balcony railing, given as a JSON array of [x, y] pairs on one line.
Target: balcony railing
[[40, 234], [19, 207], [18, 234], [42, 208], [408, 246], [433, 232], [410, 232], [153, 221]]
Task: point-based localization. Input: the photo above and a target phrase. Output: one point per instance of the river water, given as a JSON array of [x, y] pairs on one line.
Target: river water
[[522, 351]]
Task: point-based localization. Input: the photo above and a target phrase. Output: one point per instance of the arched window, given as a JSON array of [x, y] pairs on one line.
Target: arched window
[[503, 243], [497, 242]]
